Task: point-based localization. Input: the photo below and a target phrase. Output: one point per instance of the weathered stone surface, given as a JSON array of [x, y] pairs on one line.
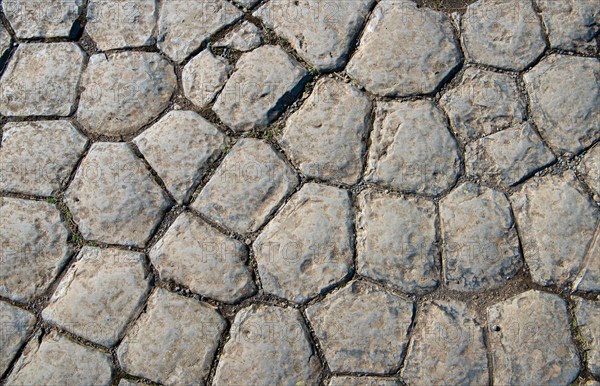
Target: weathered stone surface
[[591, 382], [531, 341], [507, 157], [396, 241], [99, 294], [245, 37], [188, 330], [307, 247], [247, 186], [16, 324], [180, 147], [412, 149], [114, 198], [417, 54], [590, 168], [588, 278], [247, 3], [195, 255], [587, 313], [571, 24], [124, 91], [565, 94], [268, 346], [321, 33], [447, 345], [502, 33], [362, 328], [481, 246], [325, 138], [554, 241], [5, 41], [204, 76], [34, 247], [362, 381], [128, 382], [183, 25], [42, 19], [41, 79]]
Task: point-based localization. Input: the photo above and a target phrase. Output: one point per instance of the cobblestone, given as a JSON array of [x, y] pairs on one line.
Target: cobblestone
[[204, 76], [17, 324], [40, 19], [587, 313], [590, 168], [245, 37]]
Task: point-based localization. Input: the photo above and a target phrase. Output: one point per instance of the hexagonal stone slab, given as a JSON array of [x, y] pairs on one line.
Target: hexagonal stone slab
[[34, 247], [124, 91], [448, 344], [247, 186], [554, 241], [412, 149], [38, 157], [16, 324], [204, 76], [590, 168], [307, 248], [186, 329], [565, 94], [587, 313], [339, 116], [180, 147], [268, 346], [588, 279], [41, 19], [99, 294], [321, 33], [266, 80], [531, 342], [41, 79], [195, 255], [114, 198], [363, 381], [245, 37], [345, 321], [396, 241], [417, 54]]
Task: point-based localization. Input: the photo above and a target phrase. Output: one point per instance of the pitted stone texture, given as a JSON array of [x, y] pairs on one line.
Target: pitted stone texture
[[34, 247], [412, 149], [417, 54], [565, 94], [42, 19], [207, 262], [321, 33], [531, 342], [174, 340], [266, 80], [268, 346], [41, 79], [483, 103], [121, 23], [5, 41], [99, 294], [587, 313], [507, 157], [554, 241], [481, 246], [247, 186], [204, 76], [180, 147], [114, 198], [124, 91], [38, 157], [589, 277], [245, 37], [362, 381], [590, 168], [185, 25], [307, 248], [325, 138], [396, 242], [448, 344], [16, 324], [362, 328], [502, 33]]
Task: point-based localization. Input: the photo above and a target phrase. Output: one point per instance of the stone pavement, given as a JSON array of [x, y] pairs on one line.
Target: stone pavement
[[308, 192]]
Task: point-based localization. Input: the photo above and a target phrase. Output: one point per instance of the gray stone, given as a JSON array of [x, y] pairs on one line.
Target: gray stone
[[180, 147], [99, 294], [531, 342], [5, 40], [247, 3], [590, 168], [502, 33], [362, 381], [113, 197], [481, 245], [565, 94], [587, 313], [417, 54], [124, 91], [412, 149], [325, 138], [244, 37], [247, 186], [42, 19], [268, 346], [16, 324], [128, 382], [41, 79], [396, 242], [38, 157], [174, 340], [34, 247], [204, 76], [588, 279], [207, 262], [362, 328], [307, 248]]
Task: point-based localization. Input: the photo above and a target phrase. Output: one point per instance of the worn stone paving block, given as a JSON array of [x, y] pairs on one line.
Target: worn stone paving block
[[204, 76], [16, 325], [244, 37], [5, 40], [587, 313], [42, 19], [590, 168], [588, 279], [363, 381]]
